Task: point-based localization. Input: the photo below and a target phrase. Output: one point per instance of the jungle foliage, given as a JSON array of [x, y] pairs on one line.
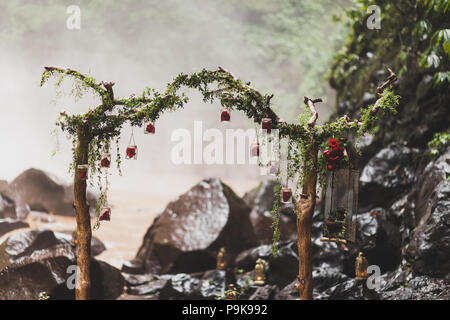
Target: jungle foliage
[[415, 40]]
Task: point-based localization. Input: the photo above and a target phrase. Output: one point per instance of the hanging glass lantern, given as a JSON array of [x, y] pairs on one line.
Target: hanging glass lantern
[[221, 262], [105, 214], [273, 168], [106, 160], [131, 152], [83, 171], [225, 115], [149, 128], [361, 265], [286, 194], [266, 124], [254, 150], [260, 276], [341, 206]]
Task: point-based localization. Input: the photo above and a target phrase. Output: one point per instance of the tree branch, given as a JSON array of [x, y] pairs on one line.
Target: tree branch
[[310, 103]]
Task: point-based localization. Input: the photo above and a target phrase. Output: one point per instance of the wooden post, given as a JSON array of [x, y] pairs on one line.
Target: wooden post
[[305, 208], [305, 212], [84, 233]]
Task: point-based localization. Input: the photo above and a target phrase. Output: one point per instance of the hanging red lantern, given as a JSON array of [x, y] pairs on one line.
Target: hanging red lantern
[[273, 168], [105, 214], [254, 150], [149, 128], [131, 152], [83, 171], [106, 160], [266, 124], [225, 115], [286, 194]]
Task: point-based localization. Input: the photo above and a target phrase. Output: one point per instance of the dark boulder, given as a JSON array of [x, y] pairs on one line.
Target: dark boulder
[[200, 286], [386, 176], [349, 290], [420, 288], [7, 225], [289, 292], [261, 200], [41, 192], [188, 234], [281, 269], [36, 261], [266, 292], [429, 248], [378, 239], [7, 207], [325, 277]]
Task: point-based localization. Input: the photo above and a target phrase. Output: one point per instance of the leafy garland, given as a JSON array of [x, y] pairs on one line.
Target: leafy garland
[[104, 123]]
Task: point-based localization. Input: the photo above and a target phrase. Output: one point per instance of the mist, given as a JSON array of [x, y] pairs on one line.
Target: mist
[[135, 45]]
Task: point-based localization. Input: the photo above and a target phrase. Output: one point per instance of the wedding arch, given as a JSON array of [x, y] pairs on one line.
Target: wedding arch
[[93, 132]]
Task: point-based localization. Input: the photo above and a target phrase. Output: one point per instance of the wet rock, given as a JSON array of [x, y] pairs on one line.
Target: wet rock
[[261, 199], [137, 279], [188, 234], [386, 176], [282, 268], [325, 277], [264, 293], [213, 284], [150, 288], [420, 288], [41, 192], [326, 252], [7, 207], [38, 260], [7, 225], [181, 286], [201, 285], [429, 248], [289, 292], [378, 239], [349, 290]]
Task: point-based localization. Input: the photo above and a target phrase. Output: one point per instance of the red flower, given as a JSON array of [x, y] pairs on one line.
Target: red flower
[[327, 153], [333, 158], [338, 150], [333, 142]]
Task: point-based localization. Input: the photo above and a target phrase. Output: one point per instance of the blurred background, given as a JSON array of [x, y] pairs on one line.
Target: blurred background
[[283, 47]]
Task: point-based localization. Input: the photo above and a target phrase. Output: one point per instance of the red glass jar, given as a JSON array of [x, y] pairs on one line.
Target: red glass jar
[[149, 128], [106, 160], [225, 115], [83, 171], [254, 150], [105, 214], [286, 194], [131, 152], [266, 124], [273, 168]]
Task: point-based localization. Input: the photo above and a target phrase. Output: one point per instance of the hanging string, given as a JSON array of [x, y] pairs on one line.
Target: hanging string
[[132, 137], [105, 201]]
